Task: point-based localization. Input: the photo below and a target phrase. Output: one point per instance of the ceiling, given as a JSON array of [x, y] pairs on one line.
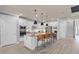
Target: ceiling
[[53, 11]]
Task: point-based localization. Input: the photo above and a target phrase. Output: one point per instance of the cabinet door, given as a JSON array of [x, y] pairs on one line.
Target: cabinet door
[[8, 30], [11, 34]]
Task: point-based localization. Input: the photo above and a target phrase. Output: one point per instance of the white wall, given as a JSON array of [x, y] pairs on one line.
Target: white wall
[[8, 29], [53, 24], [65, 28]]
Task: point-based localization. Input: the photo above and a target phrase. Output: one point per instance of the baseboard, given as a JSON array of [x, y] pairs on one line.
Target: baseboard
[[9, 44]]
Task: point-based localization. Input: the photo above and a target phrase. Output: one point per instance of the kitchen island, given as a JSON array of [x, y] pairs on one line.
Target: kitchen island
[[35, 40]]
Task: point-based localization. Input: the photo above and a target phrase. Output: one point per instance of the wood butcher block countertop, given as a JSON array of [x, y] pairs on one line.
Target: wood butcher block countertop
[[40, 36], [43, 36]]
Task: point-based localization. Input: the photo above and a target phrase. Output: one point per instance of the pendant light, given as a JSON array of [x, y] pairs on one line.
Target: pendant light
[[46, 24], [42, 23], [46, 18], [35, 22]]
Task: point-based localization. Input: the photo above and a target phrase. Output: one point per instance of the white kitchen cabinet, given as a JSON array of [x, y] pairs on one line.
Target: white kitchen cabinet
[[8, 30], [30, 42]]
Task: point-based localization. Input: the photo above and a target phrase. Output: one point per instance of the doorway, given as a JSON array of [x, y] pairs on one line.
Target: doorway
[[77, 29]]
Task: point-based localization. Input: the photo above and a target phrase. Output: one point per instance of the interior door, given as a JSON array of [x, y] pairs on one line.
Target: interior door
[[70, 29], [61, 29]]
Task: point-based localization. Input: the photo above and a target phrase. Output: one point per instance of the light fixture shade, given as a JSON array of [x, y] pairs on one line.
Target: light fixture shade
[[46, 24], [35, 22], [42, 23]]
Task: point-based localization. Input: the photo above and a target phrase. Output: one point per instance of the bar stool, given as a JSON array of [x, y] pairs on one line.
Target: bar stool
[[51, 37], [41, 38], [55, 36], [46, 38]]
